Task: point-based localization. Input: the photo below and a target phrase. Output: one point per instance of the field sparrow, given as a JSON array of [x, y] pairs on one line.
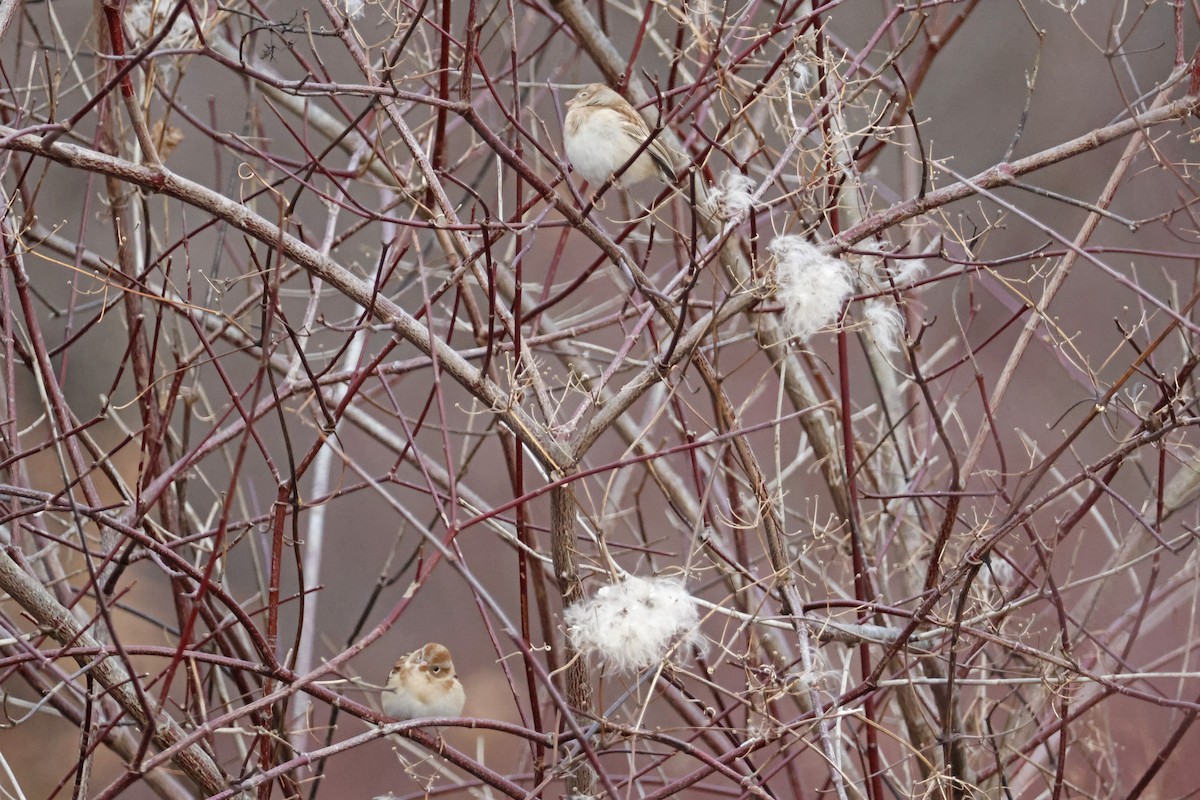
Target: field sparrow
[[423, 684], [602, 131]]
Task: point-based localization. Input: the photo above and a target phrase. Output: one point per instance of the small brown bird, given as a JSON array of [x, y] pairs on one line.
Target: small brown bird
[[602, 131], [423, 684]]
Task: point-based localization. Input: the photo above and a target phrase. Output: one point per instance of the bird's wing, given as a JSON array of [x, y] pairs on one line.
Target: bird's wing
[[657, 151]]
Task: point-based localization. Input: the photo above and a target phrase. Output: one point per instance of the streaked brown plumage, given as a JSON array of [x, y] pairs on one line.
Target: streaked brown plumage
[[602, 131], [423, 684]]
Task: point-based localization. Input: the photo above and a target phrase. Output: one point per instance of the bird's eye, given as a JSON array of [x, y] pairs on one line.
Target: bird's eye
[[435, 669]]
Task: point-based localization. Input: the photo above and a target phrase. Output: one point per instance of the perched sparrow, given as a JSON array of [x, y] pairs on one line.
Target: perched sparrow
[[602, 131], [422, 684]]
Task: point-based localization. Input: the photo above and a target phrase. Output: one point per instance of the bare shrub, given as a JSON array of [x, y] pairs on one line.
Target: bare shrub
[[857, 462]]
